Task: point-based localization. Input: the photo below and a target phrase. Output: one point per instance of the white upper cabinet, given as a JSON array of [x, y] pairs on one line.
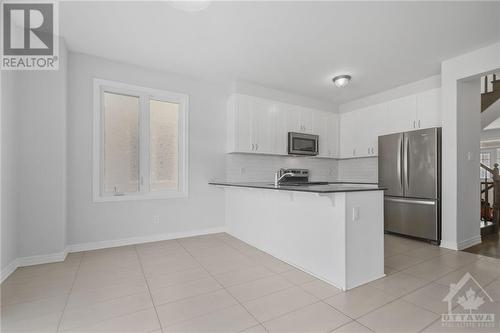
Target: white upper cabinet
[[325, 125], [428, 109], [299, 119], [360, 129], [401, 114], [261, 126]]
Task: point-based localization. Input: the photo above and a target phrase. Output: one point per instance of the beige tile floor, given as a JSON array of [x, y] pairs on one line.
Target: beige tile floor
[[216, 283]]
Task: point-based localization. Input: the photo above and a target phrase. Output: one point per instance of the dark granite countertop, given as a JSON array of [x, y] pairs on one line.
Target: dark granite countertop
[[331, 187]]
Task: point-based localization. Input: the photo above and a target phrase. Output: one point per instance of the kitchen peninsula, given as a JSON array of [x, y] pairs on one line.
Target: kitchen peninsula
[[334, 231]]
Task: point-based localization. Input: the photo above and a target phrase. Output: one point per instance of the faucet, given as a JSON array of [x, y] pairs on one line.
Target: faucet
[[278, 177]]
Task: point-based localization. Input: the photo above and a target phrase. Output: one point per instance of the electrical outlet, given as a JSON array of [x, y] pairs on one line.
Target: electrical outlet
[[156, 219]]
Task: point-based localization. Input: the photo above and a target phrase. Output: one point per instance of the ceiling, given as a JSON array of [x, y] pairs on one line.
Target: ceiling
[[292, 46]]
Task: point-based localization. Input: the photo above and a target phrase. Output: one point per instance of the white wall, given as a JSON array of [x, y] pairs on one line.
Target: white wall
[[202, 210], [41, 160], [461, 134], [492, 134], [8, 167], [391, 94], [281, 96]]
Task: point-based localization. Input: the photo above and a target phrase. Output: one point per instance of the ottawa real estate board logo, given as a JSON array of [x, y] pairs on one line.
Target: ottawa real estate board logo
[[469, 305], [29, 35]]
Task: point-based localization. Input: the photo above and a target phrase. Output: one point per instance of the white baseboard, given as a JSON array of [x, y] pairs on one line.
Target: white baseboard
[[32, 260], [449, 245], [8, 270], [139, 240], [42, 259], [469, 242], [57, 257], [463, 244]]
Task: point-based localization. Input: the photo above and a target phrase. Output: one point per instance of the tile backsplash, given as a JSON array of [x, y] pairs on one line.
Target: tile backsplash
[[255, 168], [358, 170]]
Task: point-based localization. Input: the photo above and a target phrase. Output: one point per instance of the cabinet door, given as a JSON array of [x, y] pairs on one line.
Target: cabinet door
[[279, 130], [402, 114], [306, 120], [262, 126], [319, 125], [374, 125], [272, 133], [332, 134], [429, 108], [293, 123], [348, 134], [244, 124], [364, 131]]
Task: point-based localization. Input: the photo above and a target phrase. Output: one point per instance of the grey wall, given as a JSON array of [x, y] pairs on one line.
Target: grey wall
[[8, 167], [203, 209]]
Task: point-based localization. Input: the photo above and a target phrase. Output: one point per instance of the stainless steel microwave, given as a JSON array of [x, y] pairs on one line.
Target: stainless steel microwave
[[302, 144]]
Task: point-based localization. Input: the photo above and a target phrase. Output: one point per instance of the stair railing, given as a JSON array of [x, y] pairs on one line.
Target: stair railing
[[486, 186]]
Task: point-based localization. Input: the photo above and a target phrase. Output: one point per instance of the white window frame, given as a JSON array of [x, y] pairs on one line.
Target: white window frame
[[145, 94]]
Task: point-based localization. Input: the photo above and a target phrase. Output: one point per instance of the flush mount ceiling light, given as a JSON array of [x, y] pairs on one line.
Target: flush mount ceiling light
[[341, 80], [189, 5]]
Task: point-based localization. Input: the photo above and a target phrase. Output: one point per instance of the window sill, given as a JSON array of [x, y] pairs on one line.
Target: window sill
[[162, 196]]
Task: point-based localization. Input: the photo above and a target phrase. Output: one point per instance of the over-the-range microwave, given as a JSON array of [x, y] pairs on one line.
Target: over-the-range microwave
[[302, 144]]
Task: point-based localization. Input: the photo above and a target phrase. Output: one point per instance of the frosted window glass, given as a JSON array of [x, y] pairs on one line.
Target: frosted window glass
[[164, 145], [121, 143]]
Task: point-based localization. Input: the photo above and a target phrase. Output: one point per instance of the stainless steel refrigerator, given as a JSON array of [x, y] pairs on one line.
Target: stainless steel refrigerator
[[409, 166]]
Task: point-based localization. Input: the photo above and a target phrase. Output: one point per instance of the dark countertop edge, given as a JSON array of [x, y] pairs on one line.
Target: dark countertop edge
[[298, 189]]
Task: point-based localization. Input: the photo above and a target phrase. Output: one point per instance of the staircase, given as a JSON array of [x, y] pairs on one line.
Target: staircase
[[490, 201], [490, 91]]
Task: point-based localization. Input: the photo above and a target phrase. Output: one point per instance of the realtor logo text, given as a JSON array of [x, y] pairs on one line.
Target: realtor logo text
[[29, 36]]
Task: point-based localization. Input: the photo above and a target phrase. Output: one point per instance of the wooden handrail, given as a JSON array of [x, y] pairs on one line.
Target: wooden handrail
[[487, 168]]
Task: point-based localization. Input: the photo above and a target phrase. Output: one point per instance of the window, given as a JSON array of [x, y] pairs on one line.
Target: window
[[486, 160], [140, 143]]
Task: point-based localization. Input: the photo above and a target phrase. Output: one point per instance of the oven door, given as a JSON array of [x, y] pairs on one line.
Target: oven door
[[302, 144]]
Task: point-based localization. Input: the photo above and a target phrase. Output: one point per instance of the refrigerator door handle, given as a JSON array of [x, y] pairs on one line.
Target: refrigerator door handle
[[411, 201], [407, 162], [400, 156]]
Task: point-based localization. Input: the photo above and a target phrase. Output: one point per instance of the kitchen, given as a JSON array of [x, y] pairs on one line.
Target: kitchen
[[212, 166], [262, 126]]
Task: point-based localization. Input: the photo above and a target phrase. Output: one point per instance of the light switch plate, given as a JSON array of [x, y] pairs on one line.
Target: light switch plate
[[355, 214]]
